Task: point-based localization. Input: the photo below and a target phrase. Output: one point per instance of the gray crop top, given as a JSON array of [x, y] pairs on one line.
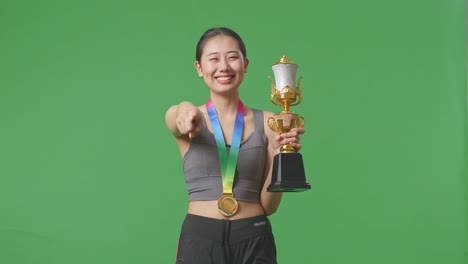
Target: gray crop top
[[203, 173]]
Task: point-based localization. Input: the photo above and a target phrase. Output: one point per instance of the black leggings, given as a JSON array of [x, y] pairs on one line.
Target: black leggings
[[211, 241]]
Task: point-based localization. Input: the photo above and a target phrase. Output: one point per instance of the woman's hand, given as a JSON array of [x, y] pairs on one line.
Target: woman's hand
[[292, 137], [184, 119], [189, 119]]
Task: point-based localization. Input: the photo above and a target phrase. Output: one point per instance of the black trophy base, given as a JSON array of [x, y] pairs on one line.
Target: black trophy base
[[288, 174]]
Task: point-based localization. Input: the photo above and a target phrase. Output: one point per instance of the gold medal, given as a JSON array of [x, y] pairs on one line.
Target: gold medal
[[227, 205]]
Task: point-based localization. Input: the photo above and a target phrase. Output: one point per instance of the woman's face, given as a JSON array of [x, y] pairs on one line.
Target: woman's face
[[222, 64]]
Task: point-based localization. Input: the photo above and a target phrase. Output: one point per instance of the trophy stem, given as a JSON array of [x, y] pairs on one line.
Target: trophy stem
[[286, 106]]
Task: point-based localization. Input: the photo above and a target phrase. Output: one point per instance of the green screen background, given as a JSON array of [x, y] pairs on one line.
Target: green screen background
[[90, 174]]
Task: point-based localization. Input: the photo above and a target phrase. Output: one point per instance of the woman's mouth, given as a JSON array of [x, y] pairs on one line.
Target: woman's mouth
[[224, 78]]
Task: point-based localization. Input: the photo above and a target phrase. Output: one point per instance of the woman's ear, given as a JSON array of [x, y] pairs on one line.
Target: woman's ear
[[246, 64], [198, 68]]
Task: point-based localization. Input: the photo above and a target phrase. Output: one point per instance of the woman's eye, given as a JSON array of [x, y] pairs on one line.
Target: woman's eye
[[233, 58], [214, 59]]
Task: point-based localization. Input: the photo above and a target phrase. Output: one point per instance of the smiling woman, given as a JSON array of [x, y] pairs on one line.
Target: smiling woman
[[227, 154]]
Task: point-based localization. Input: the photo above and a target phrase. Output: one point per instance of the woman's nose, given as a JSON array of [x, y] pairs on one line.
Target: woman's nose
[[223, 65]]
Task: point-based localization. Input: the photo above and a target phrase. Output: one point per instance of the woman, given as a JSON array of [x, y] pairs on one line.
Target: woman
[[227, 152]]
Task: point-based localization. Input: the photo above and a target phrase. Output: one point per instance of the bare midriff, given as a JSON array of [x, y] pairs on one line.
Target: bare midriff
[[210, 209]]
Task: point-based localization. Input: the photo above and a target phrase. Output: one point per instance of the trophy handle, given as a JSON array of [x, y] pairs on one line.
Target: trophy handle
[[300, 121], [298, 92], [272, 124]]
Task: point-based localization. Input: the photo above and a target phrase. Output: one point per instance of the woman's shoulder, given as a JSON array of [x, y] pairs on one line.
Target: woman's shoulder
[[202, 107], [249, 109], [265, 117]]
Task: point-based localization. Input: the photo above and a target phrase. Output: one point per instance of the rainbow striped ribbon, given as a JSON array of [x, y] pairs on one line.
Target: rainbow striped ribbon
[[227, 162]]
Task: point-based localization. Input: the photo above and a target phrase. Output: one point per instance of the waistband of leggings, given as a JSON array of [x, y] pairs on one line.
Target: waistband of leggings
[[218, 229]]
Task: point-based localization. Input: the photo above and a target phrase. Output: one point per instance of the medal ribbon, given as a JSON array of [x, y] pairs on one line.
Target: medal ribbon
[[227, 162]]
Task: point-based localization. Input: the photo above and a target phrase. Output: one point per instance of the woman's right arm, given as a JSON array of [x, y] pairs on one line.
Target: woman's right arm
[[184, 119]]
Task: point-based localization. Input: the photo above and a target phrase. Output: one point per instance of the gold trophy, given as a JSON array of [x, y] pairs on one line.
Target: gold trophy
[[288, 168]]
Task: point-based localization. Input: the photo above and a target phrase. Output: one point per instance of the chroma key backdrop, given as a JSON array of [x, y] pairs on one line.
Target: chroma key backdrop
[[89, 174]]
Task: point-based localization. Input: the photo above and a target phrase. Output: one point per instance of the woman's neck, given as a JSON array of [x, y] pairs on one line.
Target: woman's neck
[[225, 105]]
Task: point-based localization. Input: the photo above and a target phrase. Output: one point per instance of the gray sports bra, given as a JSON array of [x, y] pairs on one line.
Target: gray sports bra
[[203, 173]]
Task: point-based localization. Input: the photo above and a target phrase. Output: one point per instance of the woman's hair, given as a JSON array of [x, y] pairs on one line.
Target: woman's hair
[[213, 32]]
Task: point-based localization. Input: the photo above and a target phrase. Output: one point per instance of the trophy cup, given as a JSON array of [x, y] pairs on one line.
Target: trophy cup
[[288, 168]]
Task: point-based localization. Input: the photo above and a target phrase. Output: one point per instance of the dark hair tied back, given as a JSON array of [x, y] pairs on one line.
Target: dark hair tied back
[[213, 32]]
